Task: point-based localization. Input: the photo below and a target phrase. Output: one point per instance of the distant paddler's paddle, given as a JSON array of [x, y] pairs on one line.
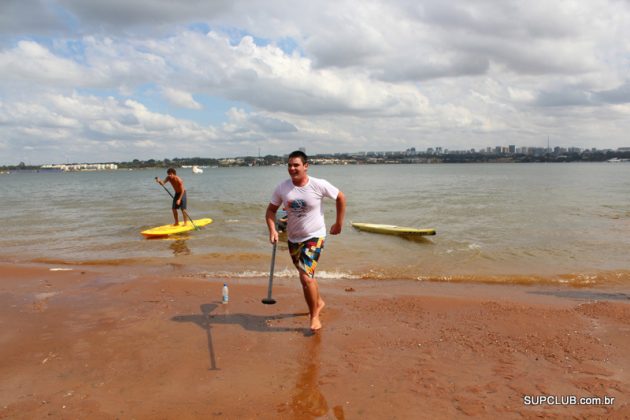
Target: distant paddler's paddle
[[173, 197], [269, 300]]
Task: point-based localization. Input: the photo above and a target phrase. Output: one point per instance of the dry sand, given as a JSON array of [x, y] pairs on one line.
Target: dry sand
[[97, 343]]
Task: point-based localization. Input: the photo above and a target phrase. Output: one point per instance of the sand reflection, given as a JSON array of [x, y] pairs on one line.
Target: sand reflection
[[308, 401]]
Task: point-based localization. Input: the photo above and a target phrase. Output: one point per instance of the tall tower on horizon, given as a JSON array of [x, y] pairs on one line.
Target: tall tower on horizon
[[548, 147]]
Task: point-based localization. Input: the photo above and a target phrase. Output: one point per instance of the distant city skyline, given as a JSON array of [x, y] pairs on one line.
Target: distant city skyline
[[496, 150], [147, 79]]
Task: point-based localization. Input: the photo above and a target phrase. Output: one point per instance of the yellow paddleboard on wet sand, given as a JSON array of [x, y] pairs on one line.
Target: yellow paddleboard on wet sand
[[166, 230], [392, 229]]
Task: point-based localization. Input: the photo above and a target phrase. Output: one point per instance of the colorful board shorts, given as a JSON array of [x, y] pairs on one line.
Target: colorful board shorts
[[305, 254], [183, 203]]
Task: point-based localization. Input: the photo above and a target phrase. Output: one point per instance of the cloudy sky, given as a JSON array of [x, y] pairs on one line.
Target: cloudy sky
[[114, 80]]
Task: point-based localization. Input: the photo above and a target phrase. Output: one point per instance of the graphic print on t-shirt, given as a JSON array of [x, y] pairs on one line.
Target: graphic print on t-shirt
[[298, 207]]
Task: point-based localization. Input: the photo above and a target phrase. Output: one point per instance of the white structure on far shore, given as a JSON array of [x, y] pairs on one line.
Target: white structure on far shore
[[82, 167]]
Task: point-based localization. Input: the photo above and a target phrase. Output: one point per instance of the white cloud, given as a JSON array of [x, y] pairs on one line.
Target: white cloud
[[129, 79], [88, 124], [29, 62], [521, 95], [26, 17], [180, 98]]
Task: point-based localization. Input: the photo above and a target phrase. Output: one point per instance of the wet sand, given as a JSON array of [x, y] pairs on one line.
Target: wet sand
[[100, 343]]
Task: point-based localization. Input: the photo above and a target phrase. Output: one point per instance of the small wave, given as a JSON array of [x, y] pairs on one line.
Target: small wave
[[285, 273], [104, 262], [571, 279], [337, 275], [247, 266]]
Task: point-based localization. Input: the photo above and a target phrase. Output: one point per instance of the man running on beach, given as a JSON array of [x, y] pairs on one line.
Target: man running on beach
[[179, 200], [302, 197]]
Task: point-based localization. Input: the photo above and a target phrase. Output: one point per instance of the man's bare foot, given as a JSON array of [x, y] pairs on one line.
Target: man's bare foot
[[316, 324]]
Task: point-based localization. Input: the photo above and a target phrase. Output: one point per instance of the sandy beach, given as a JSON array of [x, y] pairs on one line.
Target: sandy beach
[[93, 342]]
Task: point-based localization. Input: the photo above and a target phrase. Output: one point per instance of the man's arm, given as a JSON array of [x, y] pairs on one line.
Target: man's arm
[[341, 213], [270, 218]]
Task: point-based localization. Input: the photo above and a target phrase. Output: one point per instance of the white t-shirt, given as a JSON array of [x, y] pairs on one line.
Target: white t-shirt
[[304, 207]]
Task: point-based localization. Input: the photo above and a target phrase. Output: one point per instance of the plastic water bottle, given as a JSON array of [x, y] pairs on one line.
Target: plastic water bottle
[[226, 296]]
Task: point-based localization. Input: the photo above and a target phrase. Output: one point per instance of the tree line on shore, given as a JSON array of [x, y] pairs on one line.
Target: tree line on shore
[[365, 158]]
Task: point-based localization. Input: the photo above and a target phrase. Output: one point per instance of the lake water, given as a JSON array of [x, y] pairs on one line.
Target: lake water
[[517, 223]]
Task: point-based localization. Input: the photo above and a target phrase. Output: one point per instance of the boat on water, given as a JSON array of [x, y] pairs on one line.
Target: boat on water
[[617, 160], [197, 170]]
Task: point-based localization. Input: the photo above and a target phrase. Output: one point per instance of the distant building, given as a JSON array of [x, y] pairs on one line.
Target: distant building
[[80, 167], [536, 151]]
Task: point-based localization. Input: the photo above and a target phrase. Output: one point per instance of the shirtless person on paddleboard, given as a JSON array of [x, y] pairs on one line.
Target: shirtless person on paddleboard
[[179, 200], [302, 197]]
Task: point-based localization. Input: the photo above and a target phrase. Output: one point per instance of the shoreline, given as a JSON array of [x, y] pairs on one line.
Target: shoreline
[[227, 267], [108, 342]]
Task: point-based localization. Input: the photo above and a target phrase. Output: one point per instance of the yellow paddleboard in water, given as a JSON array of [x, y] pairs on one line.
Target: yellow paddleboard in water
[[393, 230], [166, 230]]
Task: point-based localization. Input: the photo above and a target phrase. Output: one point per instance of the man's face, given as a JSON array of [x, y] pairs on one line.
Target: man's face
[[297, 169]]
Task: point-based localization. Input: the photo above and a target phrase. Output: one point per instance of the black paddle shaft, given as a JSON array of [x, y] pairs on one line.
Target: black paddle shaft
[[269, 300]]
